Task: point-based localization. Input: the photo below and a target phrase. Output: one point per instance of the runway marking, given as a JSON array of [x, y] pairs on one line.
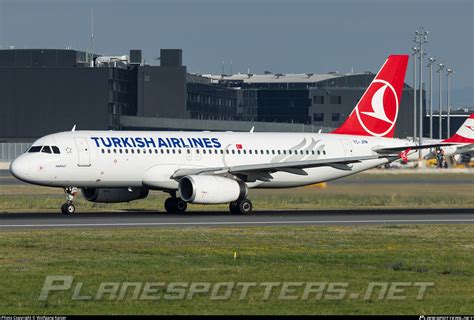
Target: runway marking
[[140, 224]]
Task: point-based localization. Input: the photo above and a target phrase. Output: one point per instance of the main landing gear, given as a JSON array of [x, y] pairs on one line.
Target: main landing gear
[[175, 205], [68, 207], [242, 206]]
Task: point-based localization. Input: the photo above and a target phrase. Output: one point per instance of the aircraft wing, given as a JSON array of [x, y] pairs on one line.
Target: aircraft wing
[[262, 171], [392, 150]]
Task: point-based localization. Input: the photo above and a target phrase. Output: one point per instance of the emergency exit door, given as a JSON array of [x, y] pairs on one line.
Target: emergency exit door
[[348, 148], [83, 152]]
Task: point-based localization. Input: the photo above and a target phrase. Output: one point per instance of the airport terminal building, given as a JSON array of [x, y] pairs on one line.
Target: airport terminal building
[[50, 90]]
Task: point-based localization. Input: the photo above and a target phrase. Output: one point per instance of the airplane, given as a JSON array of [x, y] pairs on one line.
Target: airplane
[[462, 142], [219, 167]]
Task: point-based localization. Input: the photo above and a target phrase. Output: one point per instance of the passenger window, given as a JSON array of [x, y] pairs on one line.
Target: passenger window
[[204, 151], [319, 152], [103, 151], [55, 150], [238, 151], [126, 150], [188, 151], [34, 149], [250, 151], [324, 152]]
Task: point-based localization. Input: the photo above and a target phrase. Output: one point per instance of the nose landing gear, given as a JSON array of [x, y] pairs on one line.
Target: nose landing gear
[[68, 207]]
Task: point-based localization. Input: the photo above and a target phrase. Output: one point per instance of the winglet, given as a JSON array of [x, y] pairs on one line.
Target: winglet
[[404, 155]]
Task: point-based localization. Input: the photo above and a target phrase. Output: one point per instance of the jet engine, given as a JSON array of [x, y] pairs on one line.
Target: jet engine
[[207, 189], [113, 195]]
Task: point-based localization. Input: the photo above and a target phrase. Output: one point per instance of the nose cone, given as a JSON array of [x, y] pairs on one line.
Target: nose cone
[[19, 168]]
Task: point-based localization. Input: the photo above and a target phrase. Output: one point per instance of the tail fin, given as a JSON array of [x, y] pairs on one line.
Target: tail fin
[[465, 133], [376, 112]]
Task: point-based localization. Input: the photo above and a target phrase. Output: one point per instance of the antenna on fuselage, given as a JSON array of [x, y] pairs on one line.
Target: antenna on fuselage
[[251, 130], [73, 128], [320, 130]]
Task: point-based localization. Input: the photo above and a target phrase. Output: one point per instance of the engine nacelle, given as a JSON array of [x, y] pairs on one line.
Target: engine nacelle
[[211, 189], [113, 195]]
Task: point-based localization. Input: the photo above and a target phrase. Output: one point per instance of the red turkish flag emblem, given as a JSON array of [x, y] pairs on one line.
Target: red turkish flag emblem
[[238, 146]]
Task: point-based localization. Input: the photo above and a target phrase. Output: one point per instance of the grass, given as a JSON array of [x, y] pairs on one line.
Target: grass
[[334, 196], [357, 255]]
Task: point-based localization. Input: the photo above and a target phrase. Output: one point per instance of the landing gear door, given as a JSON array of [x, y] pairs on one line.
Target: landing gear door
[[83, 152], [348, 148]]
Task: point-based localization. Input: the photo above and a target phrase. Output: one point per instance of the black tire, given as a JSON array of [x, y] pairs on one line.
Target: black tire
[[68, 208], [169, 205], [180, 205], [175, 205], [245, 206], [234, 207]]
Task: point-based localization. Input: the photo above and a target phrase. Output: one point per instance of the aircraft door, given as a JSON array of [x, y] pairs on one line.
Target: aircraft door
[[83, 152], [348, 148]]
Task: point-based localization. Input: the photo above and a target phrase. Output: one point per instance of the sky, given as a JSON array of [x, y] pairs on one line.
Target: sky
[[281, 36]]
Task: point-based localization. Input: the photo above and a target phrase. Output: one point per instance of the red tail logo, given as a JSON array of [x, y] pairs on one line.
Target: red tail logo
[[465, 133], [377, 111]]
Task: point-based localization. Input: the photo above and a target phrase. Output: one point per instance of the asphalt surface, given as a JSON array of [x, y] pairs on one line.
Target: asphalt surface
[[18, 221]]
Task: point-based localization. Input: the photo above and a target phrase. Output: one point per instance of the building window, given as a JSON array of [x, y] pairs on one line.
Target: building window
[[318, 117], [318, 99], [335, 99], [335, 117]]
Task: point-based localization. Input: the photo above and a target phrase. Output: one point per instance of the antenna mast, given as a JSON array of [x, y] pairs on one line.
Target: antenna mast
[[92, 38]]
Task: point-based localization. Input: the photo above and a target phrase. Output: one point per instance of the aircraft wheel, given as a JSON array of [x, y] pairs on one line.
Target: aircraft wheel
[[234, 207], [245, 206], [175, 205], [180, 205], [68, 208]]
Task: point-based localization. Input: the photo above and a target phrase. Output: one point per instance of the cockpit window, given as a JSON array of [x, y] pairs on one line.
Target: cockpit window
[[46, 149], [35, 149], [55, 150]]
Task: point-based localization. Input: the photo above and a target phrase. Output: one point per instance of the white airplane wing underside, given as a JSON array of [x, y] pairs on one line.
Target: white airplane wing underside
[[263, 170]]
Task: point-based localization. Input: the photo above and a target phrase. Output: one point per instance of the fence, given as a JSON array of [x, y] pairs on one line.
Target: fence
[[10, 150]]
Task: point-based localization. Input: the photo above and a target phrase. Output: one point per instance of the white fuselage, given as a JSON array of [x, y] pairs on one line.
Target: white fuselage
[[116, 159]]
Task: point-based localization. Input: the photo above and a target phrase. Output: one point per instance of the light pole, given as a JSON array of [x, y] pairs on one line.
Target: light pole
[[431, 61], [421, 37], [449, 71], [440, 70], [415, 52]]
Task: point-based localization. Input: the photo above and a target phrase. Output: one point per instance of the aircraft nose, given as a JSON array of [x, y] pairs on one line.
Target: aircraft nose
[[19, 168]]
